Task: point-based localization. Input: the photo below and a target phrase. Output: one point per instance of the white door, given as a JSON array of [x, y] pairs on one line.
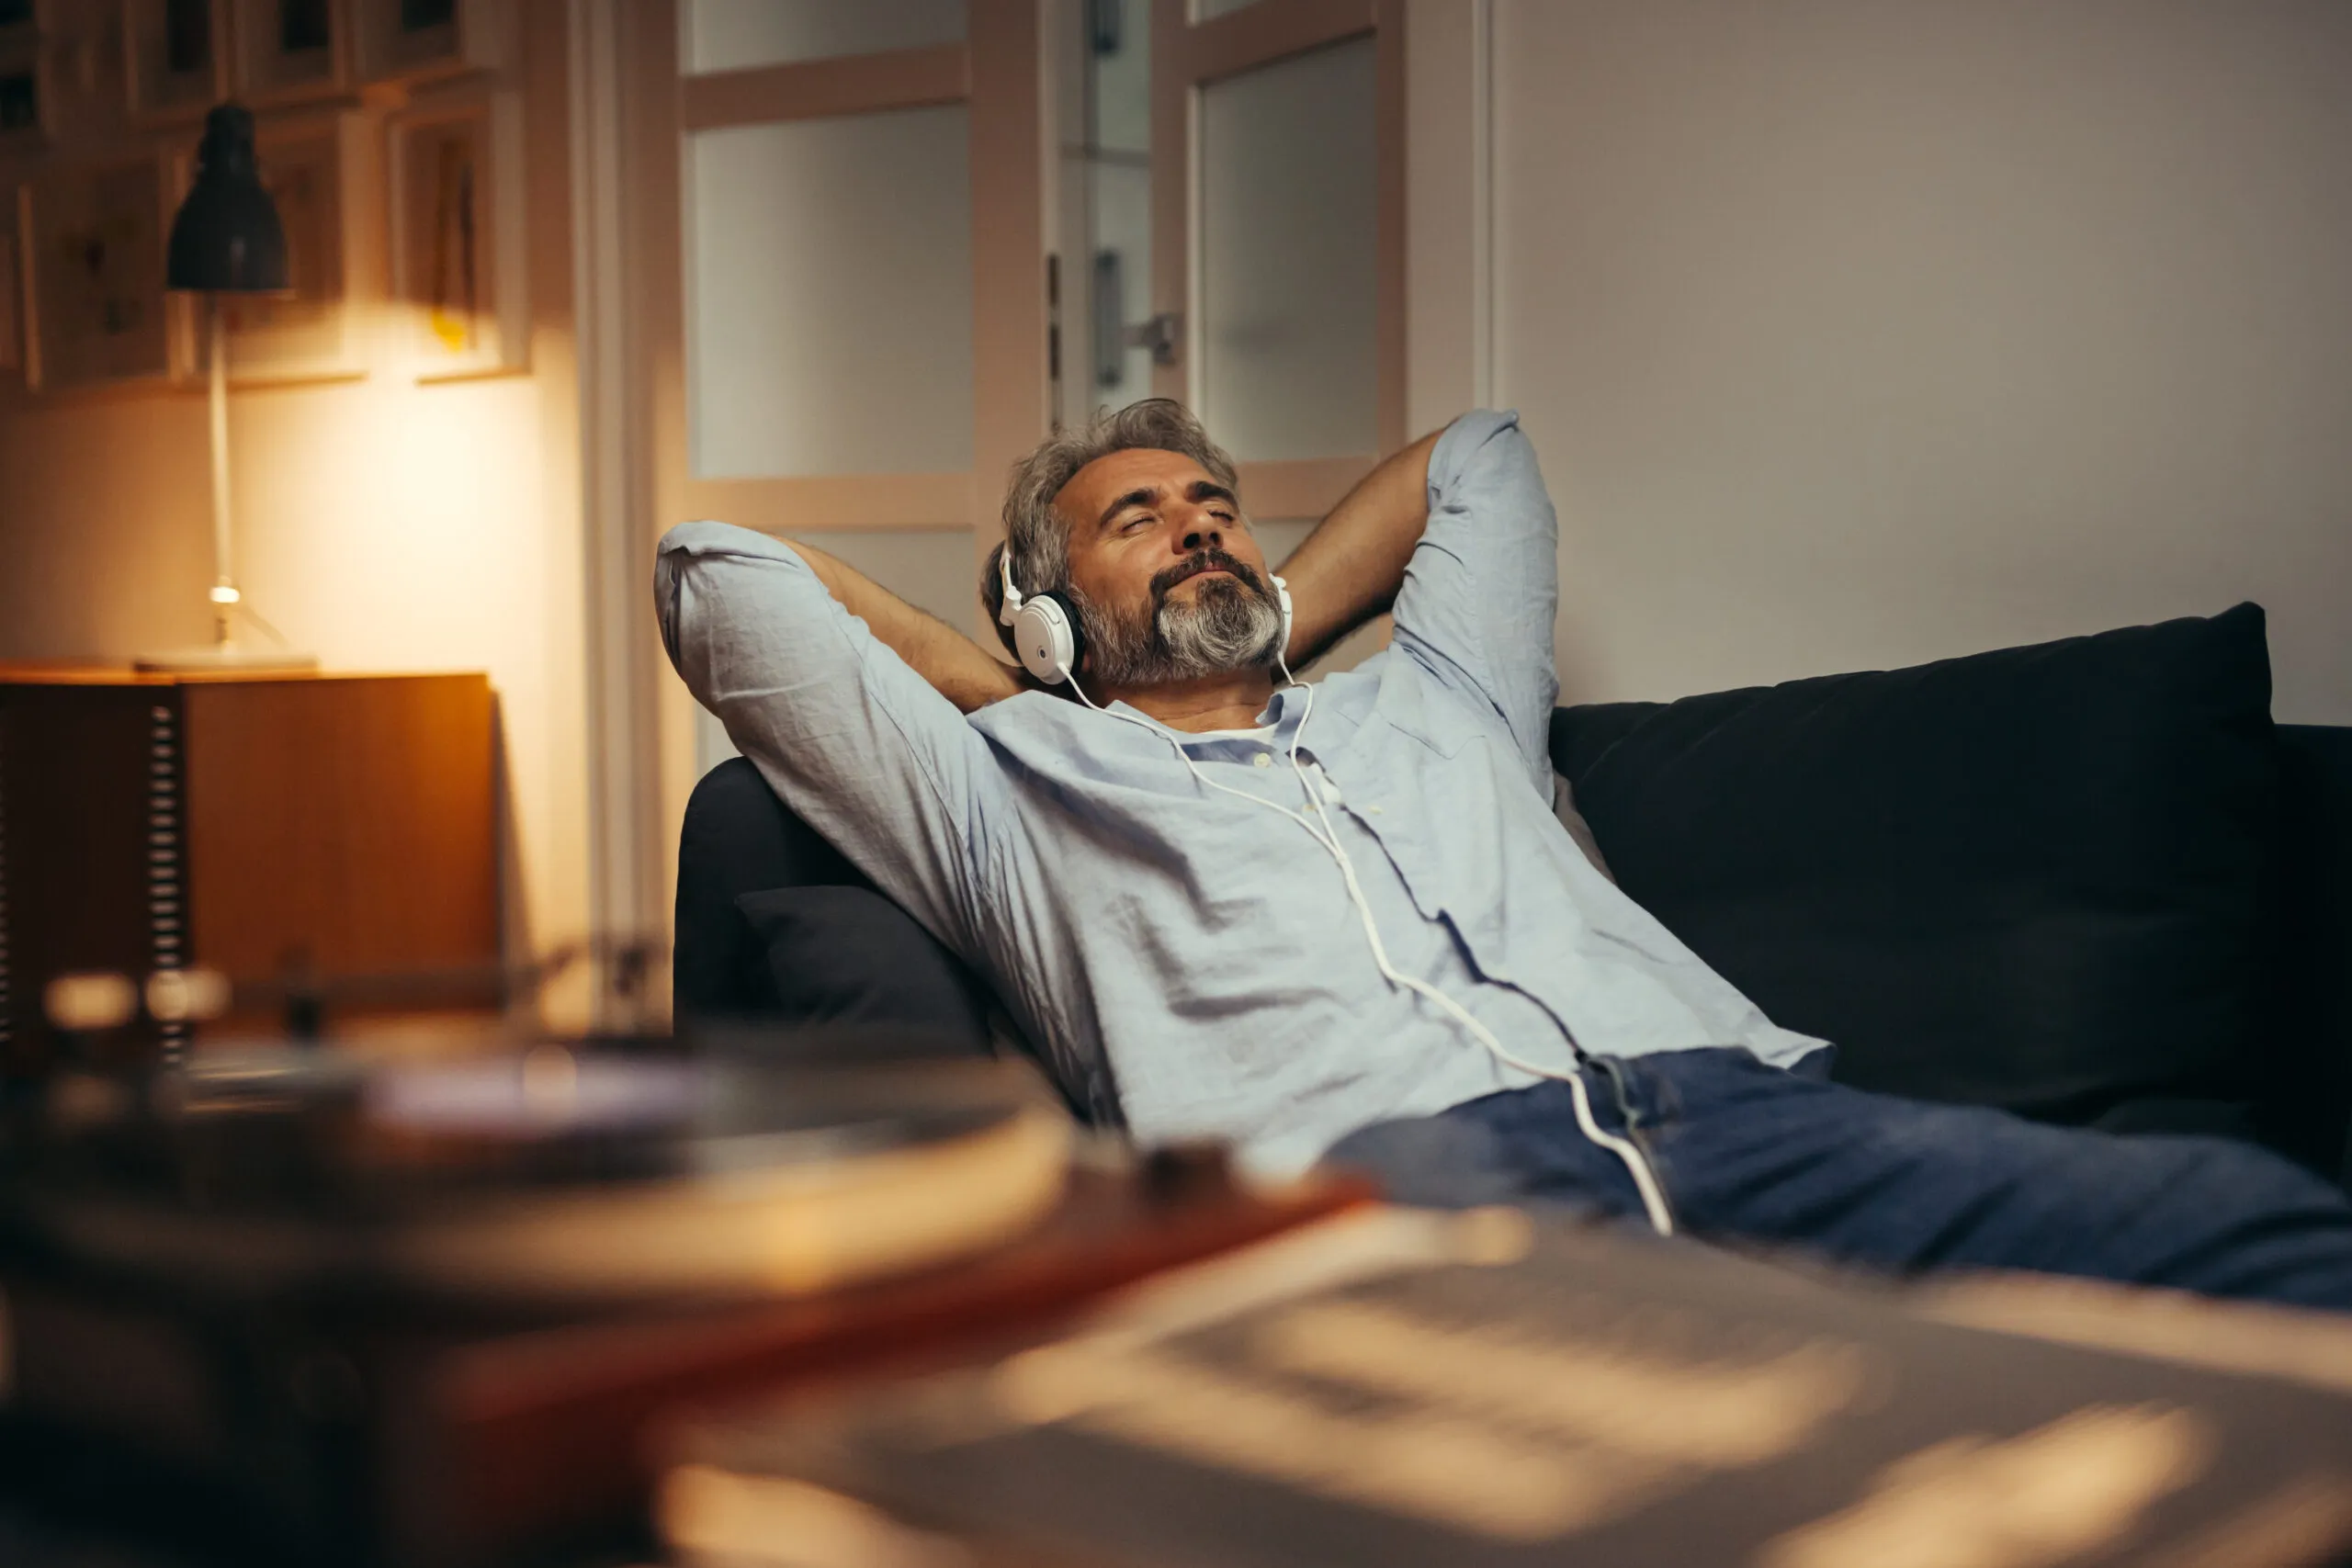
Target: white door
[[1231, 201], [846, 301], [1278, 243]]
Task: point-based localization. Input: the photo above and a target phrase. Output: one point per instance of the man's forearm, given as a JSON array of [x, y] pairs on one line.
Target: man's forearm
[[1351, 566], [958, 668]]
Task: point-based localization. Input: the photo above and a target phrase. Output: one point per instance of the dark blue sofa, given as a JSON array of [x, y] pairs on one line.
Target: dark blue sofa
[[2090, 881]]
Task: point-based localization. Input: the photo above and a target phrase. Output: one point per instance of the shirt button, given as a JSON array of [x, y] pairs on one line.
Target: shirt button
[[1262, 760]]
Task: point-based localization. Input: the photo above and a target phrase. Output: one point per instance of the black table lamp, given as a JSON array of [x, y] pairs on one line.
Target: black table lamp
[[225, 239]]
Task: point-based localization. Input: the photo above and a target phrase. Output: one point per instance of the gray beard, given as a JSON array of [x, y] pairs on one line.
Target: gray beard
[[1228, 626]]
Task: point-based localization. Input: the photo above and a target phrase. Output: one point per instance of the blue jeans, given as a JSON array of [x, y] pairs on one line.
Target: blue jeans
[[1752, 1153]]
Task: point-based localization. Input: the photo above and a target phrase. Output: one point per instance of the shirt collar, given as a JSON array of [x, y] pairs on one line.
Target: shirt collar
[[1282, 713]]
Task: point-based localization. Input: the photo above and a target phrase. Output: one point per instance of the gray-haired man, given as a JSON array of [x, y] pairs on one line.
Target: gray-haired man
[[1347, 919]]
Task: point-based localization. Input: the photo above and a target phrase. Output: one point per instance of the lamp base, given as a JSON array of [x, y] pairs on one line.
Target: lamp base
[[223, 657]]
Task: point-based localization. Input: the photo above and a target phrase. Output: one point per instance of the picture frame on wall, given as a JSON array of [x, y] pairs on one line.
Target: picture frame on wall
[[417, 41], [25, 95], [453, 169], [175, 58], [92, 249], [291, 50], [308, 333]]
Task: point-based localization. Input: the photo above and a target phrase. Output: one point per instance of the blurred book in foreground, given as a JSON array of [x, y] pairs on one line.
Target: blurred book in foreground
[[1396, 1387]]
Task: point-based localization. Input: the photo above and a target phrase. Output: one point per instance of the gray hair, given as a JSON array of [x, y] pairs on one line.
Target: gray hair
[[1037, 535]]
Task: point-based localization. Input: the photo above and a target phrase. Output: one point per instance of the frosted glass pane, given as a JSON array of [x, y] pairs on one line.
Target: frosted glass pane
[[1122, 195], [728, 35], [1120, 93], [830, 295], [1288, 230]]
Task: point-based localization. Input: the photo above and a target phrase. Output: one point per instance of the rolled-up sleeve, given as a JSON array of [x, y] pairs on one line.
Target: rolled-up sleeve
[[1483, 586], [849, 737]]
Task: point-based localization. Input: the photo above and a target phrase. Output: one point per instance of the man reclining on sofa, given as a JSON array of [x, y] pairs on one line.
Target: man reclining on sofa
[[1344, 919]]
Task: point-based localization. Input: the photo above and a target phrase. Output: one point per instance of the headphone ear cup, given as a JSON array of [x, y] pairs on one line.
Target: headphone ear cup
[[1046, 636], [1076, 629]]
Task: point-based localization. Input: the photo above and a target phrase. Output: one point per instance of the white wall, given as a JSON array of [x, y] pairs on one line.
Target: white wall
[[1859, 332], [381, 523]]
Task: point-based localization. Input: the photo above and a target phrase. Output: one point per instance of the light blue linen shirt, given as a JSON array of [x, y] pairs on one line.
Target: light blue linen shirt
[[1185, 959]]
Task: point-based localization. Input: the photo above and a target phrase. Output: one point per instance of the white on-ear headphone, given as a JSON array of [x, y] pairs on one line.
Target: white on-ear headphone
[[1045, 629], [1046, 635]]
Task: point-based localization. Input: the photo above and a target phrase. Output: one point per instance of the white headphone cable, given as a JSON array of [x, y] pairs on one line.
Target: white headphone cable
[[1645, 1183]]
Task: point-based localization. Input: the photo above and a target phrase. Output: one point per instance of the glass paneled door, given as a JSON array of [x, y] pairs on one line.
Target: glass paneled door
[[1278, 235], [846, 317]]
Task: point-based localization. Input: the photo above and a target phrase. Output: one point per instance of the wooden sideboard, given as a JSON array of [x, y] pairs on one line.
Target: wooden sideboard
[[240, 822]]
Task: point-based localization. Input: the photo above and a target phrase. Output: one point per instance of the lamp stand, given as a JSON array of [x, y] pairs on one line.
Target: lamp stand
[[225, 651]]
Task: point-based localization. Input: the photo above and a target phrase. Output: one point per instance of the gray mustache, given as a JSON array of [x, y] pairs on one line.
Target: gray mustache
[[1199, 562]]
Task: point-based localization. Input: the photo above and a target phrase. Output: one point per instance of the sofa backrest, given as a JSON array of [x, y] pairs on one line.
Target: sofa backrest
[[2088, 881]]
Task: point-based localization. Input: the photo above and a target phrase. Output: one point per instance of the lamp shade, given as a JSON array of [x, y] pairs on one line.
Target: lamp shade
[[226, 238]]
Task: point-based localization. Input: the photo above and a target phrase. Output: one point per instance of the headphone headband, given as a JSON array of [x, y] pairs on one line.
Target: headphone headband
[[1011, 605]]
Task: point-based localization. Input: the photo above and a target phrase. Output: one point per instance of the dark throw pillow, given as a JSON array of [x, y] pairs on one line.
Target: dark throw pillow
[[738, 838], [850, 957], [2030, 878]]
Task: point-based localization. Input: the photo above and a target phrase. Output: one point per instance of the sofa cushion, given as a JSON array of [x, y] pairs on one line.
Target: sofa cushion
[[736, 838], [849, 956], [2030, 878]]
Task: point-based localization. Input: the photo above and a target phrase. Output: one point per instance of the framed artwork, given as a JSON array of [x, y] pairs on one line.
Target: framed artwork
[[458, 233], [93, 253], [175, 58], [416, 40], [24, 97], [305, 333], [286, 51]]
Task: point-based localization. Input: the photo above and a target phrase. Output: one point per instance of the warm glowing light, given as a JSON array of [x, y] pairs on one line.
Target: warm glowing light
[[175, 995], [86, 1002]]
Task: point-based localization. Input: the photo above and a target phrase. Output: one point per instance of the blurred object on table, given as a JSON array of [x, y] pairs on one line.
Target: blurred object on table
[[287, 1303], [1462, 1390]]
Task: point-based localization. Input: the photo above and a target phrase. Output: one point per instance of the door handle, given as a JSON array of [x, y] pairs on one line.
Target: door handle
[[1160, 334], [1113, 336]]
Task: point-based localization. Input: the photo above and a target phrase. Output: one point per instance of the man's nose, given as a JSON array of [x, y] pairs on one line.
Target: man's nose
[[1201, 535]]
